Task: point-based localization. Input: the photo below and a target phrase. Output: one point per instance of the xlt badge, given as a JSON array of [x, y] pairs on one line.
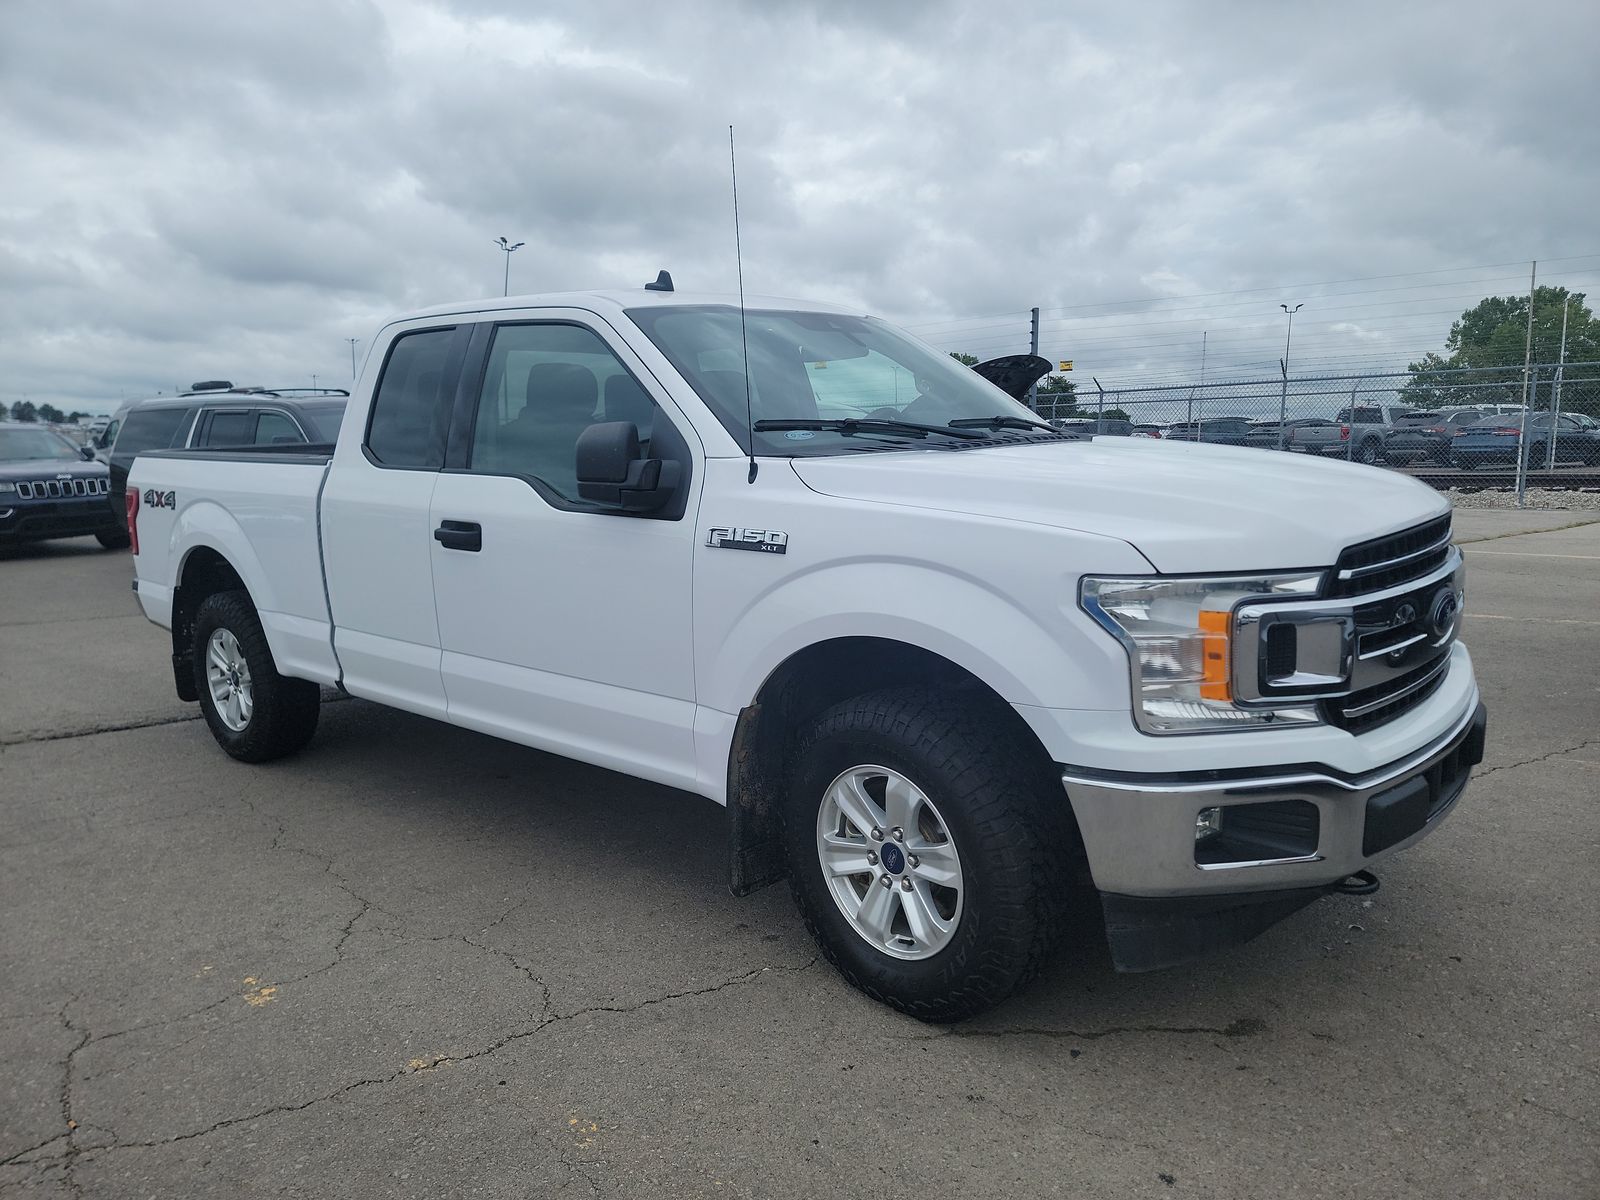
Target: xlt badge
[[768, 541]]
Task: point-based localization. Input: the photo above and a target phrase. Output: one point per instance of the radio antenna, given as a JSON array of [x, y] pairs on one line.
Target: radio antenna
[[744, 342]]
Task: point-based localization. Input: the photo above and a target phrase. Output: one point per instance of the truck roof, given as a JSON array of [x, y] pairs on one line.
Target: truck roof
[[611, 300]]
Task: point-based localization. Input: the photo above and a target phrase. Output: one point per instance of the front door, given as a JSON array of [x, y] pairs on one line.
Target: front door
[[563, 626]]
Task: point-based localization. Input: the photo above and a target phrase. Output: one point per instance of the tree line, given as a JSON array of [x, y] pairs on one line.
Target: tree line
[[26, 410]]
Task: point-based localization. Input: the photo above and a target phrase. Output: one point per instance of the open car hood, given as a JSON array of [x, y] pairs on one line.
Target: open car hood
[[1014, 374]]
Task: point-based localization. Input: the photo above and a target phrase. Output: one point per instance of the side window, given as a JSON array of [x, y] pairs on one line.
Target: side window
[[151, 429], [107, 438], [542, 387], [275, 429], [410, 412], [230, 428]]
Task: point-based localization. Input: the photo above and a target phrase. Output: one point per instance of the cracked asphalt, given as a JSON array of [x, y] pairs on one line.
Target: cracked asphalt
[[414, 961]]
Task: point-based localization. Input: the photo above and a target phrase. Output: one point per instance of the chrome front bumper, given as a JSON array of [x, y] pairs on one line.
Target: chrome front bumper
[[1139, 829]]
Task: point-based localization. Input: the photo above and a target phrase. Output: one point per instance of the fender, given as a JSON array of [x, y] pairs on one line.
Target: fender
[[991, 635]]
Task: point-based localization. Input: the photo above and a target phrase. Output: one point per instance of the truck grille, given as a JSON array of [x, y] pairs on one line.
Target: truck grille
[[1394, 634], [61, 489], [1391, 560]]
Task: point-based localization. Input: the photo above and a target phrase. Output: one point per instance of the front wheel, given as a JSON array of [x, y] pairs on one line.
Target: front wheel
[[255, 713], [926, 851]]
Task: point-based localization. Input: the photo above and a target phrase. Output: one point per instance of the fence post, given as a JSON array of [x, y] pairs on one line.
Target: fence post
[[1350, 442], [1530, 392], [1100, 413], [1283, 403]]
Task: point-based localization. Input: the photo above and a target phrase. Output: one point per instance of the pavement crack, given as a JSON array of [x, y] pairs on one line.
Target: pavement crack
[[96, 730], [444, 1060], [1243, 1027], [1485, 772], [1495, 537]]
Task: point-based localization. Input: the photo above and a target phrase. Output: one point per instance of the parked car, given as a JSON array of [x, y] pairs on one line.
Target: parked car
[[1109, 427], [1494, 439], [1149, 430], [216, 415], [1427, 435], [934, 689], [49, 488], [1301, 434], [1369, 425], [1226, 431]]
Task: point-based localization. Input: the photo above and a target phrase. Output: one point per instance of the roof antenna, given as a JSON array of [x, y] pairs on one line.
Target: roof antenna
[[663, 283], [744, 344]]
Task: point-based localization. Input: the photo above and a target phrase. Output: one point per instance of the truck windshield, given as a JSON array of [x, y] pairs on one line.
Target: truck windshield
[[27, 445], [809, 367]]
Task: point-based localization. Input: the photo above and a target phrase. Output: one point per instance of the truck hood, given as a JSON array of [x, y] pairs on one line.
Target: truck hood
[[1187, 507]]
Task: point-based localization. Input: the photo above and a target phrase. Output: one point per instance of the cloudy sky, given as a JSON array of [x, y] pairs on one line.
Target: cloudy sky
[[204, 190]]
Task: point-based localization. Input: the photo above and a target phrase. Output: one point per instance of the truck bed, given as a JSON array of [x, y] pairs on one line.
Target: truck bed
[[256, 507]]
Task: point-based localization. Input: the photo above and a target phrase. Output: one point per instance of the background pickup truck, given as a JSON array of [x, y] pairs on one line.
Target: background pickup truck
[[951, 672]]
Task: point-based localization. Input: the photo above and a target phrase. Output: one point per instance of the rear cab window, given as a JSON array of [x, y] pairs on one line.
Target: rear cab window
[[411, 408]]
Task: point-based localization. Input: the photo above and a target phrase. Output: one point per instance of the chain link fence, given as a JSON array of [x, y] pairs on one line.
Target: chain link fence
[[1486, 427]]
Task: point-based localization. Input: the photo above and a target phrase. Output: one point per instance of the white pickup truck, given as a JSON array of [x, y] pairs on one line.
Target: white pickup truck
[[944, 665]]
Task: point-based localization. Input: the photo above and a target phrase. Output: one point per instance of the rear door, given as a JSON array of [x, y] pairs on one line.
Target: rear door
[[562, 625], [376, 536]]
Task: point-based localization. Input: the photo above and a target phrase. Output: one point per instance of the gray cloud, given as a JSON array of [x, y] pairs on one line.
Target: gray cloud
[[196, 191]]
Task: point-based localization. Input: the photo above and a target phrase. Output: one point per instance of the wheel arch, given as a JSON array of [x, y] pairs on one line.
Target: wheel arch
[[794, 693], [204, 571]]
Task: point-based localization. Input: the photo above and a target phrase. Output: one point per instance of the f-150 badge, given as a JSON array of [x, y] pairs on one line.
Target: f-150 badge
[[768, 541]]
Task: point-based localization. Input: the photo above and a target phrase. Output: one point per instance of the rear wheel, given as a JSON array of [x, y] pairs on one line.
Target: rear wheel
[[112, 541], [926, 851], [1370, 452], [255, 713]]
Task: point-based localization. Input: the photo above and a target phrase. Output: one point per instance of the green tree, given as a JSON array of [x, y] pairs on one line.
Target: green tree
[[1484, 350], [23, 410], [1116, 414], [966, 360], [52, 414]]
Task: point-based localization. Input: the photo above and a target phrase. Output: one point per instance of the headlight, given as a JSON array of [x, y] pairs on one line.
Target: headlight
[[1179, 635]]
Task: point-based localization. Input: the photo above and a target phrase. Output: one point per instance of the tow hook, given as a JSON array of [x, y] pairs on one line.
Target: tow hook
[[1362, 883]]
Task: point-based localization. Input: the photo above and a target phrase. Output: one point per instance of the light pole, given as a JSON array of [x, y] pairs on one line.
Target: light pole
[[1283, 403], [352, 342], [508, 247]]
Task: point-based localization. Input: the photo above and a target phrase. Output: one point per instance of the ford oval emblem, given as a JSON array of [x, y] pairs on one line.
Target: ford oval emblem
[[1442, 613]]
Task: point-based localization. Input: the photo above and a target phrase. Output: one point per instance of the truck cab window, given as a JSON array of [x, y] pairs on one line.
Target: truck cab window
[[410, 412], [543, 386]]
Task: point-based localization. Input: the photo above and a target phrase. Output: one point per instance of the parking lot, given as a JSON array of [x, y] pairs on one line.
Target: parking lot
[[417, 961]]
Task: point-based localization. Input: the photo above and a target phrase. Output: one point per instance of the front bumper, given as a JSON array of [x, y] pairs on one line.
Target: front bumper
[[1164, 906], [31, 520]]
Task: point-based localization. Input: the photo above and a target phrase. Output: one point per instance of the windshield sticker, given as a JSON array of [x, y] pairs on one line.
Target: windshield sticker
[[800, 435]]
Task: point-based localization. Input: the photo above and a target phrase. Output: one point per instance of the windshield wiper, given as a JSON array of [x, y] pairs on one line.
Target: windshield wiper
[[1001, 421], [849, 425]]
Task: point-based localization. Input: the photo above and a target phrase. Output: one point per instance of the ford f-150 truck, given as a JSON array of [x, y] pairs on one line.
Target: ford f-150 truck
[[943, 664]]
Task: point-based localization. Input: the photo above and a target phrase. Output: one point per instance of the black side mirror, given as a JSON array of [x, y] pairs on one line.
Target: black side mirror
[[87, 452], [613, 472]]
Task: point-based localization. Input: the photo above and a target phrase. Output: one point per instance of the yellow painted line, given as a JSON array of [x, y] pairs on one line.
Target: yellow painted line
[[1529, 554]]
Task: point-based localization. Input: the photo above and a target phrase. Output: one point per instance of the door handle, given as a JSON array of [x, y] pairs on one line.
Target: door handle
[[459, 535]]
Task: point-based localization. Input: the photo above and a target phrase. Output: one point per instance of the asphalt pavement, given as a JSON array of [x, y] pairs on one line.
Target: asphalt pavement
[[415, 961]]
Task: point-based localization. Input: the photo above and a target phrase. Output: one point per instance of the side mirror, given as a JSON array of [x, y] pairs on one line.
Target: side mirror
[[612, 471], [87, 452]]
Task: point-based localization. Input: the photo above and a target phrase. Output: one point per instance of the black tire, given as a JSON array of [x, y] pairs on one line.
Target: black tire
[[1370, 452], [1004, 811], [112, 541], [285, 710]]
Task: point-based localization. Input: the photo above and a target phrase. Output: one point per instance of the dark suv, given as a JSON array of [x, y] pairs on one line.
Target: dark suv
[[216, 414], [48, 490]]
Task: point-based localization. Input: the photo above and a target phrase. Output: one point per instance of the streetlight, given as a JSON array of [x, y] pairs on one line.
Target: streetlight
[[1283, 403], [508, 247], [352, 342]]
